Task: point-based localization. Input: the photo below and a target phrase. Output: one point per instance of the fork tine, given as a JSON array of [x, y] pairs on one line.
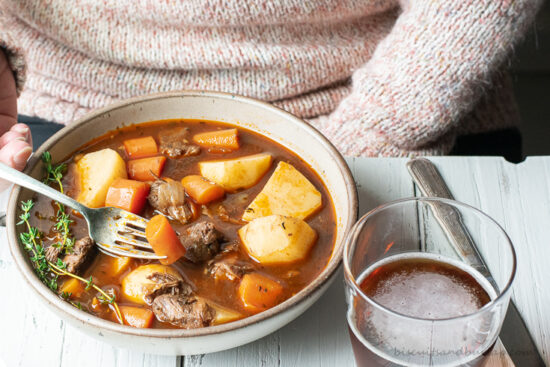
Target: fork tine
[[133, 241], [103, 251], [137, 222], [126, 250], [125, 247], [131, 232], [121, 233]]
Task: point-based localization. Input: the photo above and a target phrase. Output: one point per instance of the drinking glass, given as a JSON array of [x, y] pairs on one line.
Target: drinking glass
[[437, 229]]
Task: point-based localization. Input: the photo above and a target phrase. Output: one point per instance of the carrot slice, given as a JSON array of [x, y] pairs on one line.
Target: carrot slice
[[137, 316], [96, 305], [258, 293], [73, 288], [141, 147], [163, 239], [146, 169], [112, 267], [129, 195], [219, 139], [118, 265], [202, 190]]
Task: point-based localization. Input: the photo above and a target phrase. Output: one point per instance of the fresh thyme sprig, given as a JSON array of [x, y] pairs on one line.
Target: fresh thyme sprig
[[67, 297], [107, 299], [54, 174], [47, 271], [110, 298], [63, 221], [32, 242]]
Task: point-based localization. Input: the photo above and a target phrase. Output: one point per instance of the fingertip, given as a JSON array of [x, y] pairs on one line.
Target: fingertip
[[21, 157], [15, 154], [16, 145], [11, 136], [22, 129]]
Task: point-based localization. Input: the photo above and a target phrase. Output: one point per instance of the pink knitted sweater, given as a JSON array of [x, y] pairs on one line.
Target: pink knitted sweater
[[378, 77]]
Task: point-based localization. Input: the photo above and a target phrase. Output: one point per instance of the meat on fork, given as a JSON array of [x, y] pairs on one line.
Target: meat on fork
[[168, 197], [183, 311], [174, 143], [201, 241]]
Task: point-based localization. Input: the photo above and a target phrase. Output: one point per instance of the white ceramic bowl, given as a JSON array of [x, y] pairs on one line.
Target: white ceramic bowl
[[280, 126]]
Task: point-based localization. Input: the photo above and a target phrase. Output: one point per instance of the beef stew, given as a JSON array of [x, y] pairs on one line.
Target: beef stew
[[254, 223]]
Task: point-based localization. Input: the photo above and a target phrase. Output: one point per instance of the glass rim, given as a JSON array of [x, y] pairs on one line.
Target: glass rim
[[353, 233]]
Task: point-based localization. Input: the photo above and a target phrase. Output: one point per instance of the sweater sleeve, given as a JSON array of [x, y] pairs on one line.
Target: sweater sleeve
[[429, 71], [13, 53]]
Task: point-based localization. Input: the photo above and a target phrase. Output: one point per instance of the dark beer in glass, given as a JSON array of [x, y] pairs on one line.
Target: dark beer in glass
[[415, 298]]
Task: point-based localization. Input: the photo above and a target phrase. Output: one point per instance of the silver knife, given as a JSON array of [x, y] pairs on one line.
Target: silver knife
[[431, 184], [514, 334]]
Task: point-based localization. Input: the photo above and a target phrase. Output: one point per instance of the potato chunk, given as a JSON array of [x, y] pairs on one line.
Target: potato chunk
[[140, 282], [238, 173], [222, 314], [277, 239], [286, 193], [97, 171]]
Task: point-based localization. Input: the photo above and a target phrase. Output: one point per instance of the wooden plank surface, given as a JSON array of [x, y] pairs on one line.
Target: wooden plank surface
[[517, 196]]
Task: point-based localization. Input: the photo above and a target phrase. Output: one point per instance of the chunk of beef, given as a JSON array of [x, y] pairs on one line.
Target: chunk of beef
[[223, 214], [166, 284], [183, 311], [230, 247], [174, 143], [83, 252], [229, 268], [52, 254], [201, 241], [168, 197]]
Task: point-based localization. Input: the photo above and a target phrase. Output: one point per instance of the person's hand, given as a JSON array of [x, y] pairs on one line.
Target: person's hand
[[15, 139]]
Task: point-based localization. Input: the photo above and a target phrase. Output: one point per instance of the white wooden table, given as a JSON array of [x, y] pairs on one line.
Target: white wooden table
[[516, 196]]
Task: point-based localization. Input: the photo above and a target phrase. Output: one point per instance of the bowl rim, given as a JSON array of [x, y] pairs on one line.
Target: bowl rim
[[25, 268]]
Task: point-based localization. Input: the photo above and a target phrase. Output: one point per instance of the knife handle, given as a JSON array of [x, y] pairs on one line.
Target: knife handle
[[431, 184]]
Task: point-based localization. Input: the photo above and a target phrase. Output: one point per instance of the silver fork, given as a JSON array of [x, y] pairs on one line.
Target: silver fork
[[115, 231]]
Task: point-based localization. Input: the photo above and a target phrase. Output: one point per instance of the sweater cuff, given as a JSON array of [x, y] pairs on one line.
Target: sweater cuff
[[17, 65], [14, 54], [354, 139]]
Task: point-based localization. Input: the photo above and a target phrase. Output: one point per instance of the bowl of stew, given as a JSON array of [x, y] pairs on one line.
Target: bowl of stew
[[248, 203]]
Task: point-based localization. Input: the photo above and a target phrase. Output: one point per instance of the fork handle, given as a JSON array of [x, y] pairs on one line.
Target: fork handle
[[21, 179]]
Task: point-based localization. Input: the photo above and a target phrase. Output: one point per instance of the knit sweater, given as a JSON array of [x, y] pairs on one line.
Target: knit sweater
[[377, 77]]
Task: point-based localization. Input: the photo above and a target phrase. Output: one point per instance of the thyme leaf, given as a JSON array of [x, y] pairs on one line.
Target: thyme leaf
[[61, 265], [109, 298], [89, 283], [54, 173]]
